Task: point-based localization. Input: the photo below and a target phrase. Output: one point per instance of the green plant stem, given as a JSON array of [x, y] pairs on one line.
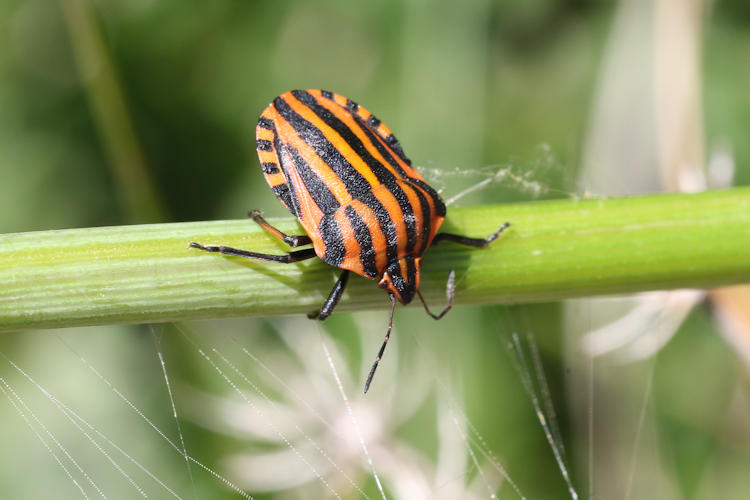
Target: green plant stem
[[554, 250]]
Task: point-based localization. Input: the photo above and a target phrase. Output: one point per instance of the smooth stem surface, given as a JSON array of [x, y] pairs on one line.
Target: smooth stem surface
[[554, 250]]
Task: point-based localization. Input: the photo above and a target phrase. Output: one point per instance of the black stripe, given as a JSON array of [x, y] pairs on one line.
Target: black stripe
[[321, 195], [265, 123], [405, 287], [373, 122], [411, 272], [334, 242], [327, 94], [291, 195], [396, 147], [264, 145], [424, 208], [408, 216], [409, 282], [410, 287], [387, 226], [355, 183], [385, 152], [394, 271], [426, 214], [282, 192], [364, 238], [438, 201], [350, 105], [270, 167]]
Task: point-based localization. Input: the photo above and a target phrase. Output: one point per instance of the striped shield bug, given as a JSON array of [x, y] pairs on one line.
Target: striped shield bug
[[365, 209]]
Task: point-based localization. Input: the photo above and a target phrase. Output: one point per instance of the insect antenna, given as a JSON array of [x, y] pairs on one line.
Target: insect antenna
[[450, 288], [382, 348]]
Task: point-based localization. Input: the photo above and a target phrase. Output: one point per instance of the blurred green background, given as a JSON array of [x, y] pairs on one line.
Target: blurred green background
[[144, 111]]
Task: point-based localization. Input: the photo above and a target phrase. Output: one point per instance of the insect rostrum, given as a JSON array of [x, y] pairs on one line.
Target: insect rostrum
[[344, 175]]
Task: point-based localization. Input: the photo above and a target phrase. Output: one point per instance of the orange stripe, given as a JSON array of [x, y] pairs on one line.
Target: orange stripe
[[394, 211], [352, 261], [264, 134], [436, 221], [378, 238], [337, 98], [383, 130], [268, 157], [404, 270], [275, 179], [363, 113], [416, 207]]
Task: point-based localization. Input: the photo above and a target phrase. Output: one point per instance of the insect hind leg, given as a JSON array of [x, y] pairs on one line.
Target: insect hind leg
[[450, 289], [287, 258], [291, 240]]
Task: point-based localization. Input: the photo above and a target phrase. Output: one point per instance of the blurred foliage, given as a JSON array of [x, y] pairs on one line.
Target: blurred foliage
[[195, 80], [465, 86]]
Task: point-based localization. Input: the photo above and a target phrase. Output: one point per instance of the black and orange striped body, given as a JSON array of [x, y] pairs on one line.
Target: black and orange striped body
[[343, 174]]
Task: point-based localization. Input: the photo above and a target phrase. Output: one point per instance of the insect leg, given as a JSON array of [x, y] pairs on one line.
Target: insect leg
[[450, 288], [472, 242], [382, 348], [293, 241], [287, 258], [333, 298]]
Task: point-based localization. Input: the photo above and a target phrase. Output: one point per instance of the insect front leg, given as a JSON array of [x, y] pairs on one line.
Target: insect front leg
[[472, 242], [333, 298], [293, 240]]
